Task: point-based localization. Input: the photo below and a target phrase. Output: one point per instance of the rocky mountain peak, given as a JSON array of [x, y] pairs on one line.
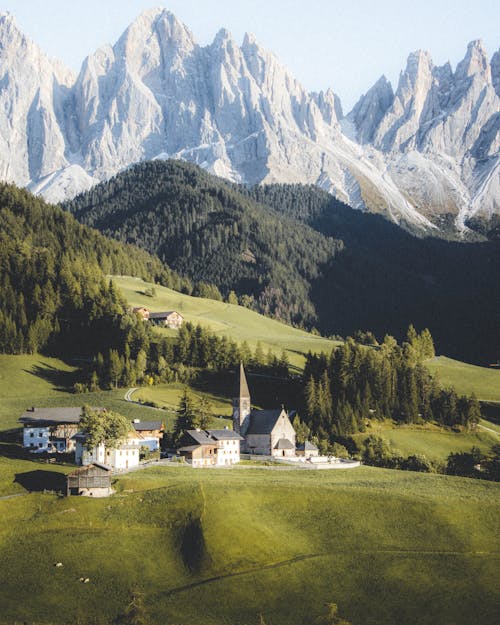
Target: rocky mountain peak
[[426, 151], [474, 62]]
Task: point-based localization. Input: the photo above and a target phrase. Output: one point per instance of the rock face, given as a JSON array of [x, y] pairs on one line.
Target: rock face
[[420, 155]]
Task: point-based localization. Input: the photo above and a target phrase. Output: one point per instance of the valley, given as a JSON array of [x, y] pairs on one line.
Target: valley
[[249, 340]]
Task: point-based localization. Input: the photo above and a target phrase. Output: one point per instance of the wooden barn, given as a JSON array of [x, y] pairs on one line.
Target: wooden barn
[[91, 480]]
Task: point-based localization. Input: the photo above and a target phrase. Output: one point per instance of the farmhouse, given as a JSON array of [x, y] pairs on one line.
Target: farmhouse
[[50, 430], [264, 432], [150, 432], [168, 319], [210, 447], [124, 456], [142, 312], [93, 480]]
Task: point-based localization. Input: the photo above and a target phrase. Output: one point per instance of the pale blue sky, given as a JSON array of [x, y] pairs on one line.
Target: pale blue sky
[[343, 45]]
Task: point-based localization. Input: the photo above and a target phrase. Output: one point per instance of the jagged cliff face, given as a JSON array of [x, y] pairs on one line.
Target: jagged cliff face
[[420, 155]]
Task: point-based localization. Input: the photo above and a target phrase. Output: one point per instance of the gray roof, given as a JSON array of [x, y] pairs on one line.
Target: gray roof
[[263, 421], [200, 437], [88, 467], [147, 425], [52, 415], [307, 446], [284, 443], [162, 315], [221, 435]]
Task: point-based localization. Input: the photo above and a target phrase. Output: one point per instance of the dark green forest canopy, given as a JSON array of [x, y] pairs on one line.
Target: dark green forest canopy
[[297, 253], [54, 291], [207, 230]]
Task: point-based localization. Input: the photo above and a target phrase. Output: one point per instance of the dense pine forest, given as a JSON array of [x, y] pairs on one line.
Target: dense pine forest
[[300, 255], [55, 295], [209, 231]]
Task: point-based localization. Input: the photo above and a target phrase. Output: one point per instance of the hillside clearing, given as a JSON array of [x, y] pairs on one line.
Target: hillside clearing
[[235, 322], [466, 378]]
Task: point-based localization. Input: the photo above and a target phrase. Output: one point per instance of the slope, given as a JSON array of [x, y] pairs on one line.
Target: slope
[[357, 271], [235, 322], [205, 547]]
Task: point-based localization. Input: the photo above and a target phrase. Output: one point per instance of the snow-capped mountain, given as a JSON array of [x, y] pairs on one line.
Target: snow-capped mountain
[[420, 155]]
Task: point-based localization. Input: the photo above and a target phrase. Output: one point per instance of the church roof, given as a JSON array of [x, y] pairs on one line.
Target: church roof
[[263, 421], [243, 387], [284, 443]]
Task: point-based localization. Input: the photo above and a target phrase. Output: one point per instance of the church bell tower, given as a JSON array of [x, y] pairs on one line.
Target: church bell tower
[[241, 405]]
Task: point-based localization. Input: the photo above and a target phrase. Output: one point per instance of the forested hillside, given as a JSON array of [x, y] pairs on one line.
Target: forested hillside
[[54, 293], [295, 252], [207, 230]]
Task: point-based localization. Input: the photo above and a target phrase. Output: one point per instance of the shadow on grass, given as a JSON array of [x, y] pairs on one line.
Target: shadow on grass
[[36, 481], [61, 380]]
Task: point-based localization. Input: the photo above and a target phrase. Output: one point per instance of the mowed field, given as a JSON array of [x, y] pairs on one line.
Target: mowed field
[[235, 322], [431, 441], [467, 379], [207, 547], [45, 382]]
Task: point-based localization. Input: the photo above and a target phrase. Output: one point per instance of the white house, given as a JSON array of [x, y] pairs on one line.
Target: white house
[[124, 456], [202, 448], [50, 430]]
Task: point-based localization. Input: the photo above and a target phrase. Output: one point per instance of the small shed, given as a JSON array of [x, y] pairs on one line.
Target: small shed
[[307, 450], [92, 480]]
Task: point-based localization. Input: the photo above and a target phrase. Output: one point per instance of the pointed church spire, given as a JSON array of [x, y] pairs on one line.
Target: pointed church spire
[[241, 405], [244, 392]]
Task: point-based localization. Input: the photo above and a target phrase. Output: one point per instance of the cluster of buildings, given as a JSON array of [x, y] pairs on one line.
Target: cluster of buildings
[[261, 432], [168, 319]]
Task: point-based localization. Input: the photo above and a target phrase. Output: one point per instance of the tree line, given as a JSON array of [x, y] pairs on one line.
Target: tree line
[[387, 381]]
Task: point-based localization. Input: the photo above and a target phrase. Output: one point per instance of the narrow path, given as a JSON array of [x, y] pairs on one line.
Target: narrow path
[[129, 393], [311, 556], [257, 569], [12, 496], [483, 427]]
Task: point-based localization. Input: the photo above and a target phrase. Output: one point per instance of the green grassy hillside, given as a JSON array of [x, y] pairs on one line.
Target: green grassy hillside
[[40, 381], [230, 320], [465, 378], [224, 546], [431, 441]]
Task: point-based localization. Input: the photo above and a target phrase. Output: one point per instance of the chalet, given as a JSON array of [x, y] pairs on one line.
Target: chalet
[[264, 432], [142, 312], [50, 430], [151, 432], [92, 480], [124, 456], [210, 447], [168, 319], [307, 450]]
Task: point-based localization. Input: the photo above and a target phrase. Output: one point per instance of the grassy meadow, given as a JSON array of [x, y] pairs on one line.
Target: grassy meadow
[[430, 440], [236, 322], [207, 547], [466, 378]]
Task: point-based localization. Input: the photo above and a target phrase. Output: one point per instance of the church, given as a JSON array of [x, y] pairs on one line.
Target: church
[[264, 432]]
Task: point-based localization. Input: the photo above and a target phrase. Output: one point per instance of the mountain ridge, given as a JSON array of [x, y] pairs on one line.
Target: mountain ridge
[[239, 113]]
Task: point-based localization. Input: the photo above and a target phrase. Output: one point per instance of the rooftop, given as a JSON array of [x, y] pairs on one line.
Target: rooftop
[[263, 421], [52, 415]]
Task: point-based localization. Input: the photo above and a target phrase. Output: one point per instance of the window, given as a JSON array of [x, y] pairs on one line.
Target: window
[[40, 444], [32, 434]]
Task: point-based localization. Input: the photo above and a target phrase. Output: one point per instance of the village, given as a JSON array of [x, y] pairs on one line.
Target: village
[[266, 434]]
